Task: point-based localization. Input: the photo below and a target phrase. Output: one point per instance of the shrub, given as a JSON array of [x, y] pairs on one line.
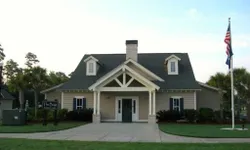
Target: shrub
[[80, 115], [206, 115], [161, 115], [62, 114], [168, 115], [191, 115], [217, 117]]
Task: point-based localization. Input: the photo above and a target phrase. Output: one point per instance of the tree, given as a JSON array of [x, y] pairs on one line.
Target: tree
[[11, 69], [31, 59], [57, 78], [2, 55], [241, 84], [17, 83], [37, 81], [222, 81]]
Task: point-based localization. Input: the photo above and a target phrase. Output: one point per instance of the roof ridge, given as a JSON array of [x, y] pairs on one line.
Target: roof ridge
[[138, 53]]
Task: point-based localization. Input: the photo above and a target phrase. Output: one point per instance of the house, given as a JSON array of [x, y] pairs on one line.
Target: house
[[132, 87], [6, 101]]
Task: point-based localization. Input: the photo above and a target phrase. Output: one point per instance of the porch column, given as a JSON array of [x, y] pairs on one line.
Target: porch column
[[153, 102], [98, 102], [94, 105], [62, 100], [195, 101], [150, 103]]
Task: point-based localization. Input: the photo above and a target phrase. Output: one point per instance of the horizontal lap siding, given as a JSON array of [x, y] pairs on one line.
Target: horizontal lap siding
[[208, 98], [51, 96], [68, 99], [162, 99], [143, 106], [107, 104]]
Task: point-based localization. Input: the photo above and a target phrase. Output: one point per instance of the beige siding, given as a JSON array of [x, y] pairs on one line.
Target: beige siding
[[162, 99], [143, 106], [68, 99], [51, 96], [107, 104], [208, 98], [5, 104]]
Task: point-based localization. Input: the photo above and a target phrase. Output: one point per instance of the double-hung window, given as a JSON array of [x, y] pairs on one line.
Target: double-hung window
[[172, 66], [79, 103], [176, 104]]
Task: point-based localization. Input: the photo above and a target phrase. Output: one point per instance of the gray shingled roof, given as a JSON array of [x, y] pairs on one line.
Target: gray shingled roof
[[152, 61], [6, 95]]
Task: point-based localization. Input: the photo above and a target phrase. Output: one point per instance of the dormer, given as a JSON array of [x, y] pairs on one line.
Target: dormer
[[172, 63], [91, 66]]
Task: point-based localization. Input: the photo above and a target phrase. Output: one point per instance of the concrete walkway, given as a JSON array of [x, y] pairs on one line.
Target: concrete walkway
[[121, 132]]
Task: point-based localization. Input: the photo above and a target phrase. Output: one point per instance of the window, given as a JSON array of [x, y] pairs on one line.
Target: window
[[119, 106], [176, 104], [172, 65], [79, 103], [134, 106], [91, 67]]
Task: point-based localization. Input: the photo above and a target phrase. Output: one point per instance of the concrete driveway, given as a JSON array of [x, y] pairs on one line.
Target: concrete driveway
[[120, 132]]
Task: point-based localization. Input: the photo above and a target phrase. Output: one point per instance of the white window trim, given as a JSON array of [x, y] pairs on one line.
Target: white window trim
[[179, 99], [79, 97], [176, 72], [94, 68]]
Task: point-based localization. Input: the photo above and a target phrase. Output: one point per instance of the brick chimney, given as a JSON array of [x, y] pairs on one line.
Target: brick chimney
[[132, 49]]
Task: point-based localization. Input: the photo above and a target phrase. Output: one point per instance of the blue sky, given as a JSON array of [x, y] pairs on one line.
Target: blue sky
[[60, 32]]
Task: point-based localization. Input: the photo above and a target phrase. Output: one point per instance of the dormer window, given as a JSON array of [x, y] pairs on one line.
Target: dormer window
[[91, 66], [172, 64]]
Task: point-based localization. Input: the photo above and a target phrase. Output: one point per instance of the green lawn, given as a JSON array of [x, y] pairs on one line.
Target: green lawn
[[25, 144], [38, 127], [208, 131]]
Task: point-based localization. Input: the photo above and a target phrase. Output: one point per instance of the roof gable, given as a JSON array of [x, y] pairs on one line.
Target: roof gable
[[172, 56], [154, 62]]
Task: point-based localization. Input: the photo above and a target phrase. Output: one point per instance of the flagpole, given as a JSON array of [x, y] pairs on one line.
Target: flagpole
[[232, 81]]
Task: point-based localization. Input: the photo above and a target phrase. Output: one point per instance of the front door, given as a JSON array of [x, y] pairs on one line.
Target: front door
[[126, 110]]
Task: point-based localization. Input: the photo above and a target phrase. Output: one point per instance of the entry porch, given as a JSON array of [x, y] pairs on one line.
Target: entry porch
[[124, 95]]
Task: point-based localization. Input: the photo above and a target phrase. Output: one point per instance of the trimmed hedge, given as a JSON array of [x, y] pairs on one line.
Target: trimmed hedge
[[206, 115], [203, 115], [191, 115], [168, 115], [61, 114], [80, 115]]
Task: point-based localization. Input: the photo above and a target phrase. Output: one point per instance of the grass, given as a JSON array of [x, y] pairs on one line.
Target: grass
[[31, 128], [27, 144], [207, 131]]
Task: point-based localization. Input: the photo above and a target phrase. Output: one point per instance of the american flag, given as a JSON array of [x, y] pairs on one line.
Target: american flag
[[227, 40]]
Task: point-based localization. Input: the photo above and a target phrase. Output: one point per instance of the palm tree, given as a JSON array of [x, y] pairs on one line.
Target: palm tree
[[37, 81], [17, 83]]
